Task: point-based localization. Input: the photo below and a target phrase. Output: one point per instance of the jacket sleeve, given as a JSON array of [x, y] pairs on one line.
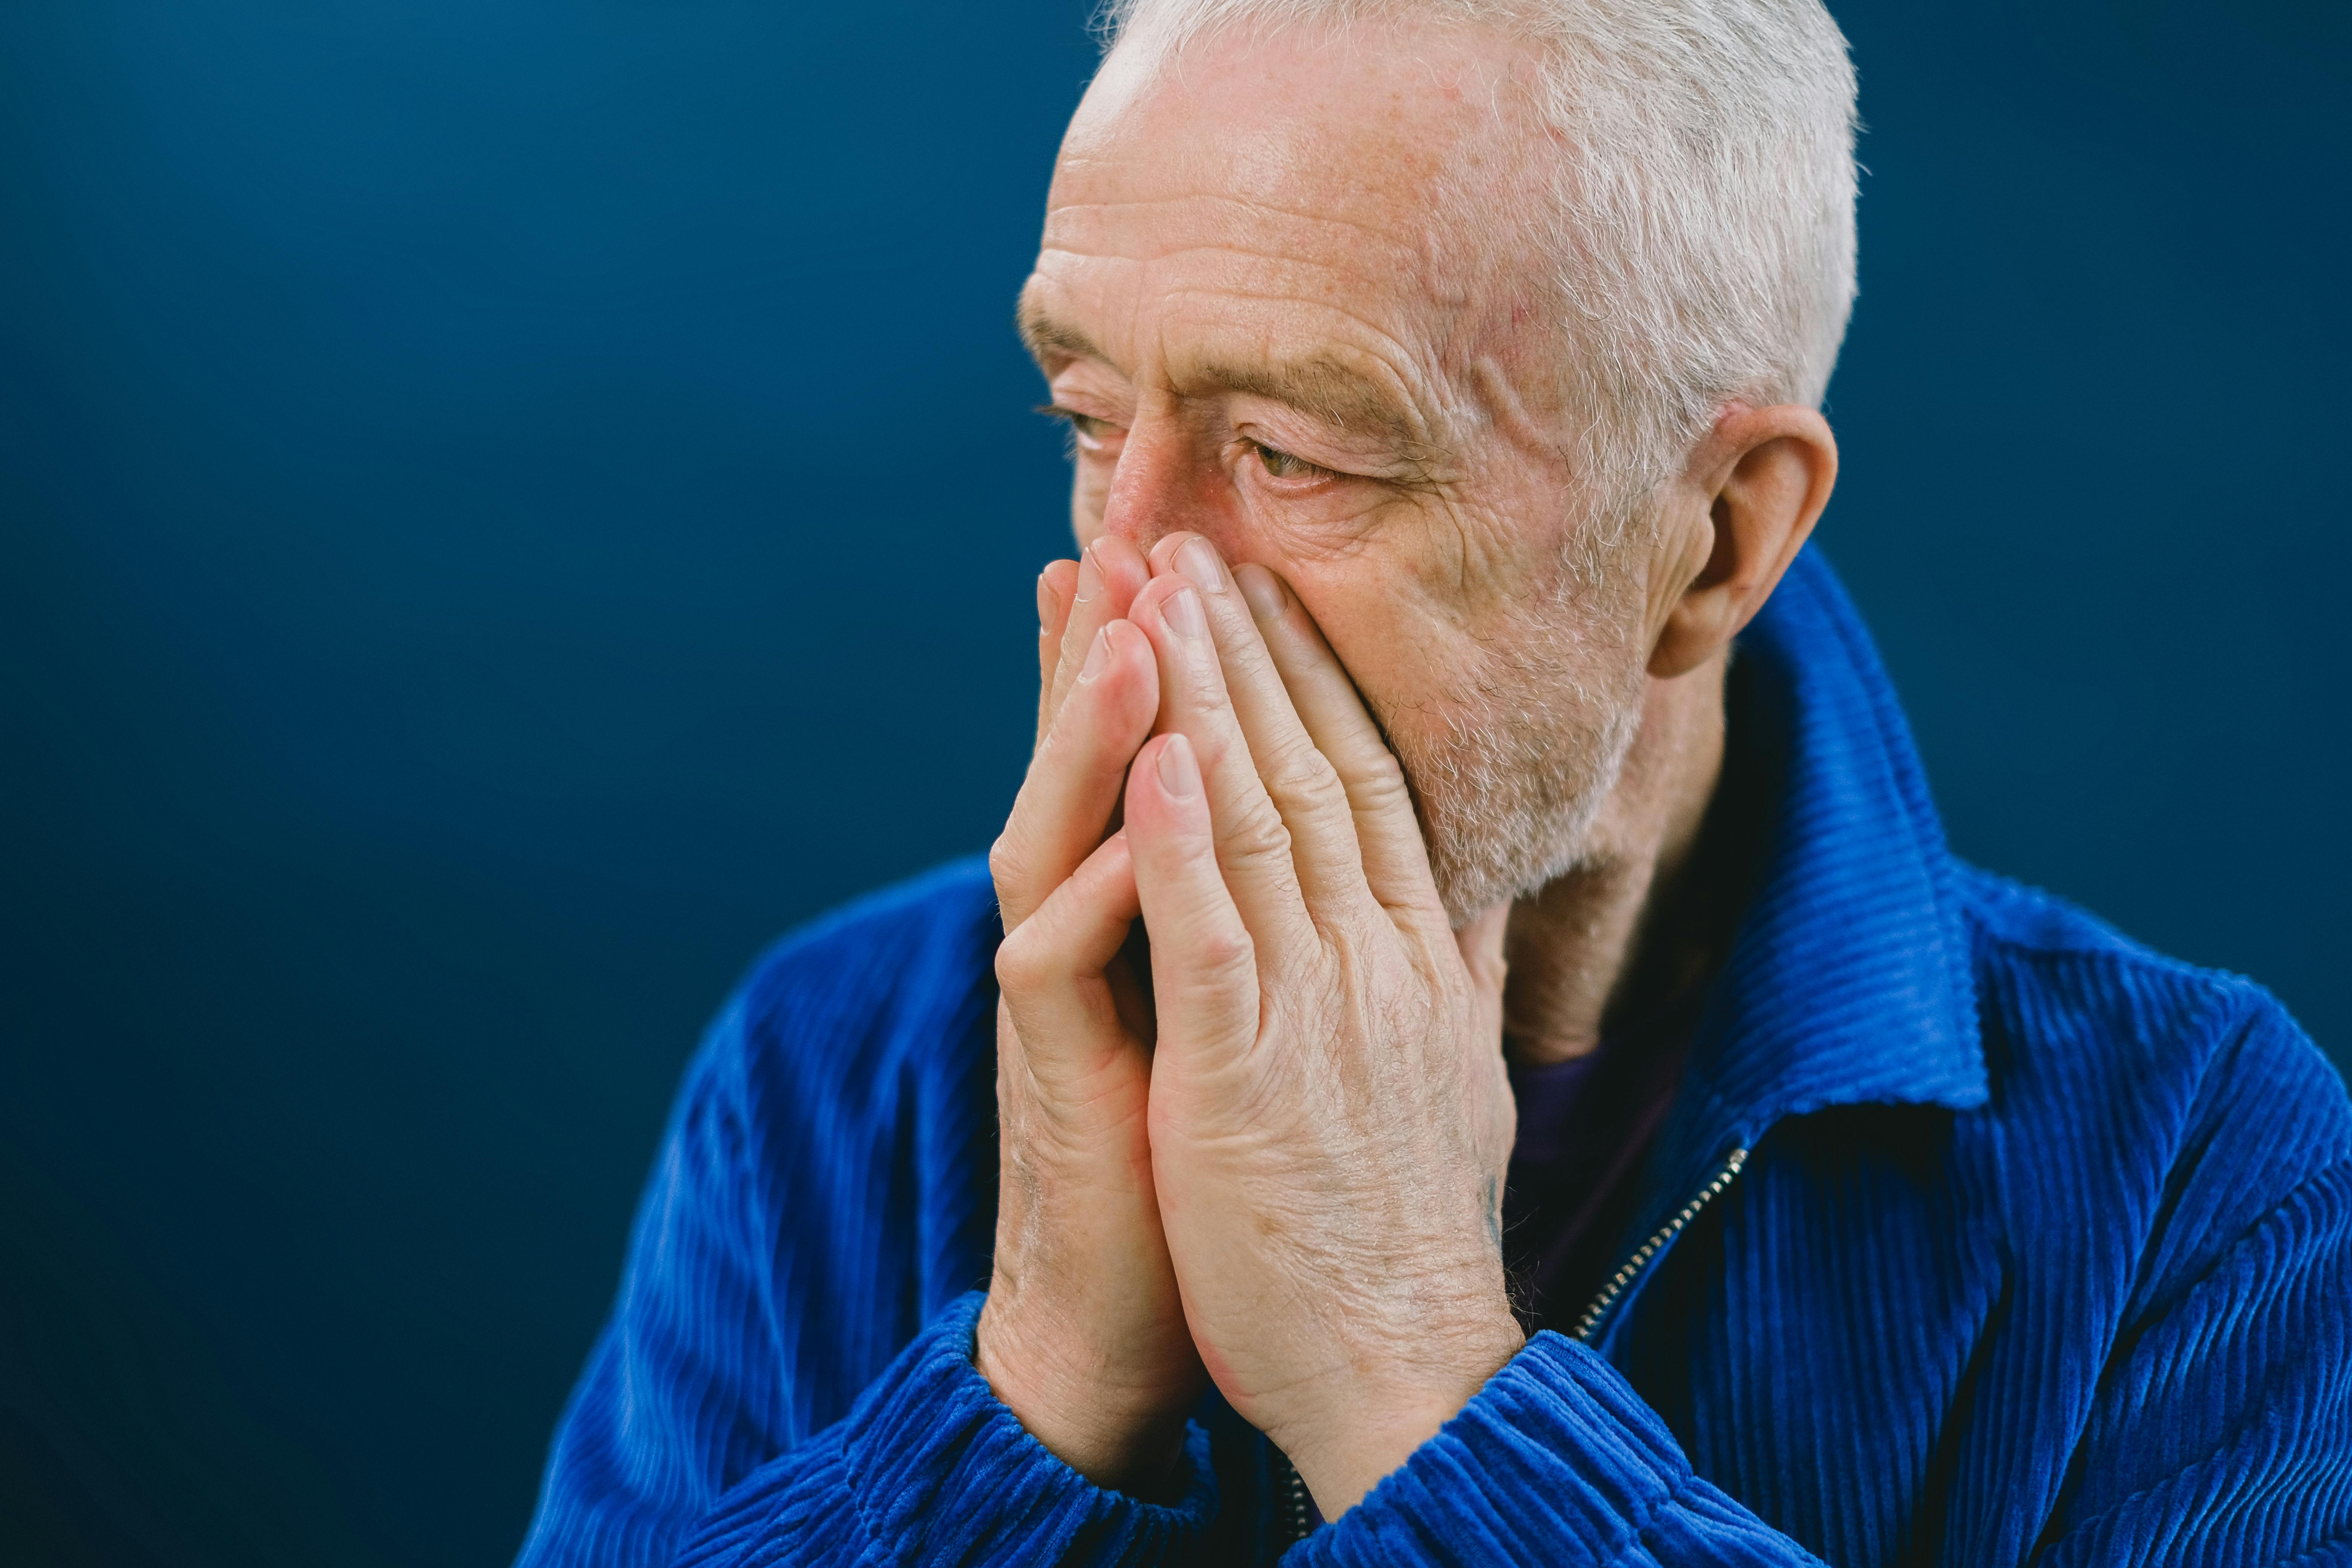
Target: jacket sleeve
[[2219, 1430], [1556, 1460], [689, 1428], [2222, 1432], [931, 1467], [687, 1385]]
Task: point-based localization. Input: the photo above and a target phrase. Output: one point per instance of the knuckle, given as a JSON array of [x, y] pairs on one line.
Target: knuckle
[[1022, 963], [1301, 774], [1004, 864], [1226, 955], [1256, 832], [1379, 783]]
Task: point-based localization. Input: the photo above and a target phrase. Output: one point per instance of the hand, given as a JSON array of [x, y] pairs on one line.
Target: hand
[[1083, 1335], [1330, 1119]]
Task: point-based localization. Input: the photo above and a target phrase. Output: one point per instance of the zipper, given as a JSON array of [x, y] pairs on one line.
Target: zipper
[[1291, 1501], [1622, 1280]]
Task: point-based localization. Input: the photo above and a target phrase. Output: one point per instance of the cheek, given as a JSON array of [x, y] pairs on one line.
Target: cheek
[[1402, 651], [1415, 609], [1327, 522]]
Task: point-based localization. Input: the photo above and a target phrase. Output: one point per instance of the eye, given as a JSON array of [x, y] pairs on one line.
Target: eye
[[1086, 430], [1283, 466]]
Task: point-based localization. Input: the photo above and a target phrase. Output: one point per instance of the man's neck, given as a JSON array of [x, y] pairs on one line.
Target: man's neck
[[1577, 948]]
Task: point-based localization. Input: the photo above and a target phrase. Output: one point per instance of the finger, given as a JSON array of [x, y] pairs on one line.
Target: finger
[[1481, 946], [1050, 971], [1057, 587], [1253, 844], [1205, 983], [1299, 780], [1065, 803], [1110, 572], [1388, 835]]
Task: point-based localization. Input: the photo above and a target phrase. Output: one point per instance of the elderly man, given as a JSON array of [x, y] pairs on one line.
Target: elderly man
[[1485, 1057]]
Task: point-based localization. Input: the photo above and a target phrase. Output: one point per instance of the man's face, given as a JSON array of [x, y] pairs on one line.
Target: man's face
[[1290, 293]]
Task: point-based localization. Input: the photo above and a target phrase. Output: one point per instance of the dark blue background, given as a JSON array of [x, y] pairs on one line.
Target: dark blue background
[[505, 505]]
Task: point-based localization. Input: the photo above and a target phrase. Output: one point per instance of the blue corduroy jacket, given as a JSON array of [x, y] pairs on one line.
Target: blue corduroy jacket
[[1977, 1235]]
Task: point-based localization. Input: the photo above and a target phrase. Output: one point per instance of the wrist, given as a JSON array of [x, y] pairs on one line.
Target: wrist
[[1120, 1434], [1358, 1430]]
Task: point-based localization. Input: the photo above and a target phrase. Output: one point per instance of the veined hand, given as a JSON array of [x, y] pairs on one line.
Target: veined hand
[[1328, 1117]]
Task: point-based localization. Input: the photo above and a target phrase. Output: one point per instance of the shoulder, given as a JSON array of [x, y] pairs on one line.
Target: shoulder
[[2053, 967], [841, 1021], [904, 951], [823, 1186], [2196, 1080]]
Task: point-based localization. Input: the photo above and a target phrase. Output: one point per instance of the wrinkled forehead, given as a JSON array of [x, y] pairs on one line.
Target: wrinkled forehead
[[1387, 176]]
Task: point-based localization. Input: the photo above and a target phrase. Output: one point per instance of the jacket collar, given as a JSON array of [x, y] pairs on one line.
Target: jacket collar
[[1849, 981]]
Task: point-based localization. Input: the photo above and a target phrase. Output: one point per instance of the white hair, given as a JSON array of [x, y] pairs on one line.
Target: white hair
[[1705, 214]]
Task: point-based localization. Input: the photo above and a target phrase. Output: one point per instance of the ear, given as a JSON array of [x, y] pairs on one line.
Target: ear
[[1742, 509]]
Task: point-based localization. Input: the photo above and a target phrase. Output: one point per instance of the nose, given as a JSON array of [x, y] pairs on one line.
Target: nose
[[1164, 484]]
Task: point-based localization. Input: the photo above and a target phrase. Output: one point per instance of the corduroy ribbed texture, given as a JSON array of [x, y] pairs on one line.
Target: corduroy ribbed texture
[[2043, 1254], [935, 1469]]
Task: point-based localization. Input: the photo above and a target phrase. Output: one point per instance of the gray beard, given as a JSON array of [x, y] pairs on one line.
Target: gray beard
[[1511, 785]]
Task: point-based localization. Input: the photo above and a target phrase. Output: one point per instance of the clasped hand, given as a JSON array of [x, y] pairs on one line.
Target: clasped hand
[[1266, 1145]]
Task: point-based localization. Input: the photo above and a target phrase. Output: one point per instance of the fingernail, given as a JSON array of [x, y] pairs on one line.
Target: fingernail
[[1089, 579], [1098, 655], [1179, 775], [1048, 606], [1198, 562], [1183, 609], [1260, 588]]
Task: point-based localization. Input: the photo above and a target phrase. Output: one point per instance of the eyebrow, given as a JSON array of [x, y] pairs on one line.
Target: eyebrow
[[1041, 335], [1318, 386], [1330, 391]]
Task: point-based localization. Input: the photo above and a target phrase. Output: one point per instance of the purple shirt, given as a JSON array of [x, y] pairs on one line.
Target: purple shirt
[[1585, 1126]]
